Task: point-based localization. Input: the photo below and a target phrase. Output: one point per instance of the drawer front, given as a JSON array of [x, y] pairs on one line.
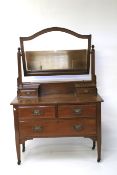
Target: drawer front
[[86, 90], [33, 112], [28, 93], [70, 111], [55, 128]]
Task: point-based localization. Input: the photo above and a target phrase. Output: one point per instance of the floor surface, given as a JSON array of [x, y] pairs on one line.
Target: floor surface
[[57, 156]]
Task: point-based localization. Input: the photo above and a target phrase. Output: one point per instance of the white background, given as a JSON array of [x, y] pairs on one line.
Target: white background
[[64, 155]]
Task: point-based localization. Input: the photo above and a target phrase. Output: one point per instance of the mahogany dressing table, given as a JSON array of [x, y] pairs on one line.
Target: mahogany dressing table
[[70, 108]]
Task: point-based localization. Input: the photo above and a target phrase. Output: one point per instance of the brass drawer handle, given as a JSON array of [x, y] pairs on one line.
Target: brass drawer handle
[[77, 127], [77, 111], [37, 112], [28, 93], [38, 128]]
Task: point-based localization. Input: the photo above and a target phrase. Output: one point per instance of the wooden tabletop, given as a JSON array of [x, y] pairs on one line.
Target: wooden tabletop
[[58, 99]]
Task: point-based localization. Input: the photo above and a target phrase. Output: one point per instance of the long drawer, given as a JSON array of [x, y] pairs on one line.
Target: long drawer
[[70, 111], [53, 128], [33, 112]]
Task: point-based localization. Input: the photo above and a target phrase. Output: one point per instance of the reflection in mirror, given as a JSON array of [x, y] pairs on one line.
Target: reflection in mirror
[[57, 60]]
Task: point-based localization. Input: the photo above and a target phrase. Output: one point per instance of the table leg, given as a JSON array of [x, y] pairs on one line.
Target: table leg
[[98, 132], [23, 147], [93, 147]]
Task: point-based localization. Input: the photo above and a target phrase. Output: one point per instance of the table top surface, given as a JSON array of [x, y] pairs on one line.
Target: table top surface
[[58, 99]]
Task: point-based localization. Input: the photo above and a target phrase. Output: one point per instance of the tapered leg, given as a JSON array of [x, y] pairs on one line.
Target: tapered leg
[[99, 149], [18, 152], [98, 132], [23, 147], [17, 137], [93, 147]]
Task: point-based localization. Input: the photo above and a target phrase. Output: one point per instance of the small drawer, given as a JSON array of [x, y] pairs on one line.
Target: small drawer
[[86, 90], [70, 111], [28, 93], [54, 128], [33, 112]]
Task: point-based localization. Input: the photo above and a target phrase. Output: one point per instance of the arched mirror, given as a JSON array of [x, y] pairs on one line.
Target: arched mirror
[[56, 51]]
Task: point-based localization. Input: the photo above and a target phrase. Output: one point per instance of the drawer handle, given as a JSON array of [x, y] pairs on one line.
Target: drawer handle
[[38, 128], [77, 127], [28, 93], [86, 91], [77, 111], [36, 112]]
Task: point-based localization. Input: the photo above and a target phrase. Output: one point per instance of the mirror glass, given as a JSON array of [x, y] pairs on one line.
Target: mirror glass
[[56, 53], [57, 60]]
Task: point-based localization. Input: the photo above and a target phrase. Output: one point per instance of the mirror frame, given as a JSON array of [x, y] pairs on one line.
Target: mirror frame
[[54, 72]]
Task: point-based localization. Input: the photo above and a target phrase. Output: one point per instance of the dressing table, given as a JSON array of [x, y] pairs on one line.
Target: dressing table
[[58, 103]]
